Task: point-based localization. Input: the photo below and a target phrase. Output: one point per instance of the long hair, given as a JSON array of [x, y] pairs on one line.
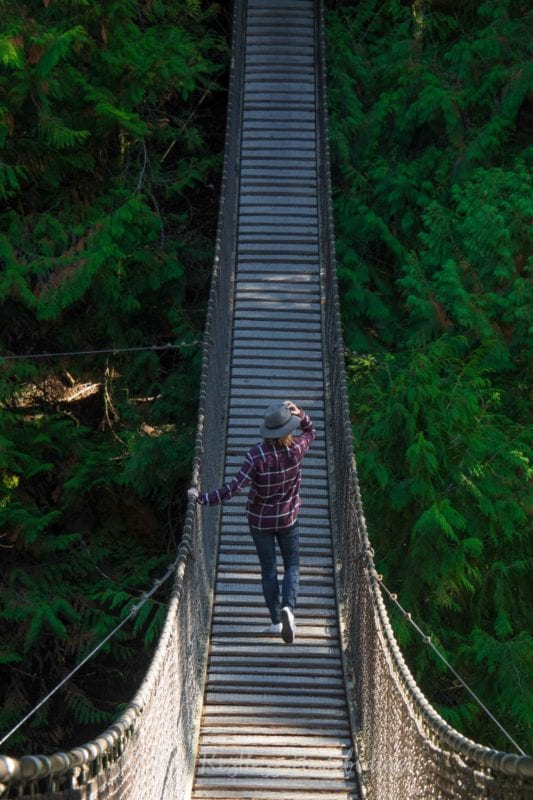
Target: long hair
[[283, 441]]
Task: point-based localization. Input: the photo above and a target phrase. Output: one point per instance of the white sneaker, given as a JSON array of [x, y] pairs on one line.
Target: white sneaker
[[274, 628], [288, 626]]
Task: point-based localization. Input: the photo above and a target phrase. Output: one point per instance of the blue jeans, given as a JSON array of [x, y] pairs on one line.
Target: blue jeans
[[265, 542]]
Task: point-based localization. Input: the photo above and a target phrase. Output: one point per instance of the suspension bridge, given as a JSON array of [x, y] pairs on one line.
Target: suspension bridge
[[225, 711]]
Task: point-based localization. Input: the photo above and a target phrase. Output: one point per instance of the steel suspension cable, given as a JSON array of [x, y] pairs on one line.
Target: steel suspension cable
[[427, 640], [135, 608], [29, 356]]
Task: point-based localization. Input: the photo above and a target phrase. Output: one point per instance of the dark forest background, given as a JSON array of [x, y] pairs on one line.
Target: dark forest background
[[112, 117]]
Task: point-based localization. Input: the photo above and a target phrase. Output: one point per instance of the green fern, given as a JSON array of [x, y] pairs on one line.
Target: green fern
[[58, 135], [11, 178]]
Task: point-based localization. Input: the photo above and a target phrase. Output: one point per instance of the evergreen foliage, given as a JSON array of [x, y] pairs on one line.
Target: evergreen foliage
[[111, 133], [429, 116]]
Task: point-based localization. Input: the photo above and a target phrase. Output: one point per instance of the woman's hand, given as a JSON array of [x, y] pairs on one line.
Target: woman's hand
[[293, 408]]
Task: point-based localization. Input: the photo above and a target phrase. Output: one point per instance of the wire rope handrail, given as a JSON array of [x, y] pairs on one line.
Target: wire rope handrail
[[133, 611], [426, 638]]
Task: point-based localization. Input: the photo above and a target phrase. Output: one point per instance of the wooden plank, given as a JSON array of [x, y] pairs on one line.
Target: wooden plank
[[273, 72], [285, 789], [258, 629], [282, 103], [265, 768], [208, 793], [274, 202], [279, 187], [245, 602], [238, 665], [253, 588], [303, 28], [292, 248], [273, 209], [304, 395], [203, 793], [250, 682], [241, 542], [258, 720], [289, 12], [279, 282], [295, 126], [313, 578], [274, 648], [233, 547], [297, 97], [274, 135], [297, 159], [293, 735], [275, 751], [307, 298], [255, 629], [276, 145], [270, 660], [248, 764], [257, 617], [250, 323], [305, 671], [239, 656], [298, 728], [247, 557], [263, 183], [312, 522], [259, 35], [281, 60], [259, 227], [281, 350], [249, 701]]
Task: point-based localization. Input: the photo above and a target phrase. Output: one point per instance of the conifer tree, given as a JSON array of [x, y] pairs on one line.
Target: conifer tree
[[111, 130], [428, 118]]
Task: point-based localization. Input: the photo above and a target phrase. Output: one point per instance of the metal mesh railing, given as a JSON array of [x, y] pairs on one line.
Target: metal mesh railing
[[149, 752], [405, 750]]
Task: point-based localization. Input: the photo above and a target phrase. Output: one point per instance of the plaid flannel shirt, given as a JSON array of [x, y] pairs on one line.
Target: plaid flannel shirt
[[275, 475]]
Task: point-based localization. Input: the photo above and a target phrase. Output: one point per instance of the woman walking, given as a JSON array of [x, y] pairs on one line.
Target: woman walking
[[273, 468]]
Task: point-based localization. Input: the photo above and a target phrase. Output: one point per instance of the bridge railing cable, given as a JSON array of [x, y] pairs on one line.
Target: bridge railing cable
[[134, 610], [108, 350], [404, 749], [426, 638], [149, 751]]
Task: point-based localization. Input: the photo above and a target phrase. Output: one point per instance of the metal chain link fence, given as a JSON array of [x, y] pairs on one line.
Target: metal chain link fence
[[149, 752], [405, 750]]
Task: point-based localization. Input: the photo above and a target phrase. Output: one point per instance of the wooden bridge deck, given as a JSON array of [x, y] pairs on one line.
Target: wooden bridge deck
[[275, 723]]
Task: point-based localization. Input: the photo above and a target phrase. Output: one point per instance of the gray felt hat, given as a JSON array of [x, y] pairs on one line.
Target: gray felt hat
[[278, 421]]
